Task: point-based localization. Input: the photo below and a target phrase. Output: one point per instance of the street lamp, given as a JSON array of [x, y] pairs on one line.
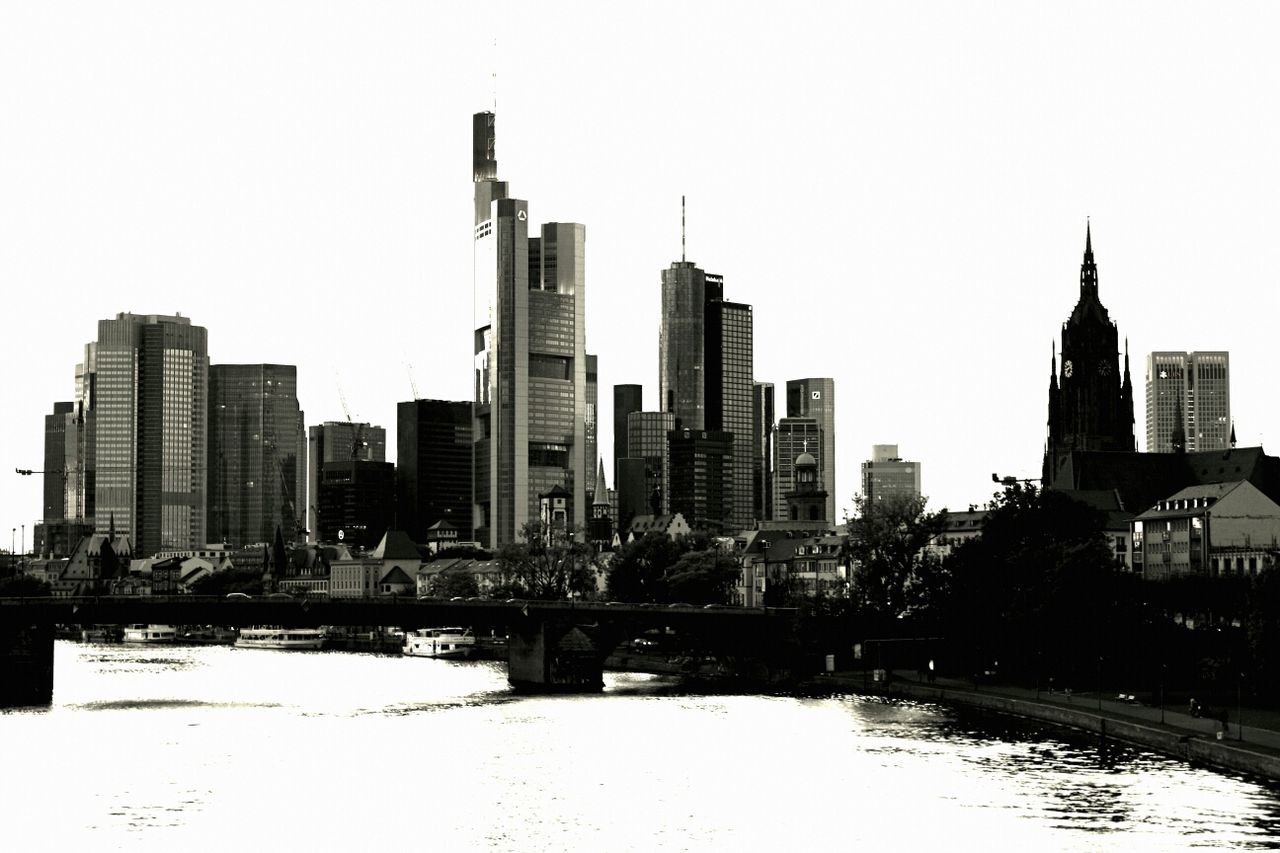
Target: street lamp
[[1162, 673], [1239, 708], [1099, 682]]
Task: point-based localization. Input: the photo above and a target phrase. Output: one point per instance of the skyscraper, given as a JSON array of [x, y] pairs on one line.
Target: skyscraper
[[151, 410], [591, 430], [530, 363], [648, 439], [763, 428], [257, 453], [626, 399], [794, 437], [1091, 401], [816, 398], [433, 466], [886, 477], [338, 441], [705, 366], [701, 477], [1191, 390]]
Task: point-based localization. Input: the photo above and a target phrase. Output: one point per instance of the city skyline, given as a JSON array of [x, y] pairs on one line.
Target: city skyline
[[305, 210]]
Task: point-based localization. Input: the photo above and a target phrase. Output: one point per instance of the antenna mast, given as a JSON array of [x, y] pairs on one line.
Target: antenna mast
[[681, 229]]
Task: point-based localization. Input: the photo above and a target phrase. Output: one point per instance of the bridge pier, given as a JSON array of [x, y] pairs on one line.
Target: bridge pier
[[551, 657], [26, 664]]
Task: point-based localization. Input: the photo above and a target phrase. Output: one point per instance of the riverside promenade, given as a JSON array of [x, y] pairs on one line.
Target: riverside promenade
[[1253, 748]]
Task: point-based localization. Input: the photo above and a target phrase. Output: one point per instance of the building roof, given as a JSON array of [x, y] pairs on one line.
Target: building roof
[[396, 575], [1142, 479], [396, 545], [1192, 499]]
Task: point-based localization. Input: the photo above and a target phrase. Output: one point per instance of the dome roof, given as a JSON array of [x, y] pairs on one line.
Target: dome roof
[[806, 458]]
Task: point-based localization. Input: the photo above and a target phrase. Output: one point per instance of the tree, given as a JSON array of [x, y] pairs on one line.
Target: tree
[[703, 577], [548, 564], [17, 586], [890, 576], [638, 572], [247, 580], [454, 584], [1038, 583]]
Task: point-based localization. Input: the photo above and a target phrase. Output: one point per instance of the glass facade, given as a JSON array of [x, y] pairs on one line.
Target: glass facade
[[433, 470], [816, 398], [762, 449], [257, 461], [532, 425], [1195, 386], [338, 441], [701, 477], [151, 419], [647, 439]]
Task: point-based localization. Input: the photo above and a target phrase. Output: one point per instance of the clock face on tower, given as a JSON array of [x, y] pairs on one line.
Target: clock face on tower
[[1068, 368], [1104, 368]]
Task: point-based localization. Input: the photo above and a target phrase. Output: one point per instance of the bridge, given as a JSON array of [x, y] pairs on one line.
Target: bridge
[[551, 646]]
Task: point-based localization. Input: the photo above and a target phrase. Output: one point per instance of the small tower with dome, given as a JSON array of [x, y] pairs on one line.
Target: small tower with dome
[[808, 502]]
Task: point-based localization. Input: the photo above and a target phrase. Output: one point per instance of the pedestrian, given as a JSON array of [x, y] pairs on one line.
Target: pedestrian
[[1193, 707], [932, 674]]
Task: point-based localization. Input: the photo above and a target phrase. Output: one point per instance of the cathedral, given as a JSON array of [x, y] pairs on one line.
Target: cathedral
[[1091, 398]]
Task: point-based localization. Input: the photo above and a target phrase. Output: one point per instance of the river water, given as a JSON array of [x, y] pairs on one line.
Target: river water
[[215, 748]]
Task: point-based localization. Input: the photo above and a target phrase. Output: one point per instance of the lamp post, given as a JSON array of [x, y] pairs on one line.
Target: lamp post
[[1162, 671], [1099, 682], [1239, 707]]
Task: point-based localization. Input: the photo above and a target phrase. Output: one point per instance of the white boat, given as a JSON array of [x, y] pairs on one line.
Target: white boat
[[150, 634], [440, 643], [275, 637]]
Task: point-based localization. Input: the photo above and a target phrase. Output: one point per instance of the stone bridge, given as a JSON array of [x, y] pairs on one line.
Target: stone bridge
[[552, 645]]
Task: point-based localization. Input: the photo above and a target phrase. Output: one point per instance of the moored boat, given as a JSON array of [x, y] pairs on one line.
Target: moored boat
[[150, 634], [455, 643], [275, 637]]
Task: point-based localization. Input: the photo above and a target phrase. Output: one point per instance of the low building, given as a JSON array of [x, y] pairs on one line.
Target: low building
[[1216, 529], [960, 527], [672, 525]]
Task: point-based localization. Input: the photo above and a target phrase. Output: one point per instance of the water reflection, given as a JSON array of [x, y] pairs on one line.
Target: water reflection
[[148, 748]]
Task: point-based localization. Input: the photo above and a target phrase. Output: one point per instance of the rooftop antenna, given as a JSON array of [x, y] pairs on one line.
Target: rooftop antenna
[[681, 229], [494, 74]]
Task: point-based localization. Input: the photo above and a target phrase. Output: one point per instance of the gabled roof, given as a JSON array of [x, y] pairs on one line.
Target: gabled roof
[[396, 575], [396, 545], [1194, 500]]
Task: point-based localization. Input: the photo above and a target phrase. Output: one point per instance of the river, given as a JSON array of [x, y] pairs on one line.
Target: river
[[215, 748]]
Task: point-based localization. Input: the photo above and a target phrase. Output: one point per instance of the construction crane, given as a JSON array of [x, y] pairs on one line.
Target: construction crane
[[357, 429], [413, 384]]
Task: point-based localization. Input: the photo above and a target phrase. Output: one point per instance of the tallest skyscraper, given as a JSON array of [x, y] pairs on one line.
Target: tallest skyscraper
[[530, 414]]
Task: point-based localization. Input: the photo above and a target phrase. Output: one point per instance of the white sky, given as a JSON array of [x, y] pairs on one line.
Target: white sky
[[899, 189]]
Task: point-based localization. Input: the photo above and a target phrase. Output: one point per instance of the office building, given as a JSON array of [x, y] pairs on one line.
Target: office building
[[356, 503], [1190, 391], [705, 371], [1091, 400], [591, 427], [433, 467], [763, 427], [795, 436], [816, 398], [626, 399], [701, 478], [151, 424], [338, 441], [530, 373], [648, 439], [257, 454], [888, 477]]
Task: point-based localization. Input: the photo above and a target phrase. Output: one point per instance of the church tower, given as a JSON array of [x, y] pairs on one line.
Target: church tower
[[1091, 397]]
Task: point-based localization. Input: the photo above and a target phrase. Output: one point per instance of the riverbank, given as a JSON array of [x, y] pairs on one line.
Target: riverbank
[[1251, 749]]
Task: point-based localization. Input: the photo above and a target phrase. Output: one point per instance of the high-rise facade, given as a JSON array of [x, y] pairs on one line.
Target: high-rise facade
[[701, 477], [888, 477], [705, 366], [433, 467], [151, 411], [1191, 391], [626, 399], [763, 431], [815, 398], [1091, 400], [338, 441], [357, 502], [648, 439], [257, 454], [795, 436], [592, 413], [530, 363]]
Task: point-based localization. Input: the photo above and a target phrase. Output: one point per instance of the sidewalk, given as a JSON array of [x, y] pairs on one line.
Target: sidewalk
[[1254, 747]]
